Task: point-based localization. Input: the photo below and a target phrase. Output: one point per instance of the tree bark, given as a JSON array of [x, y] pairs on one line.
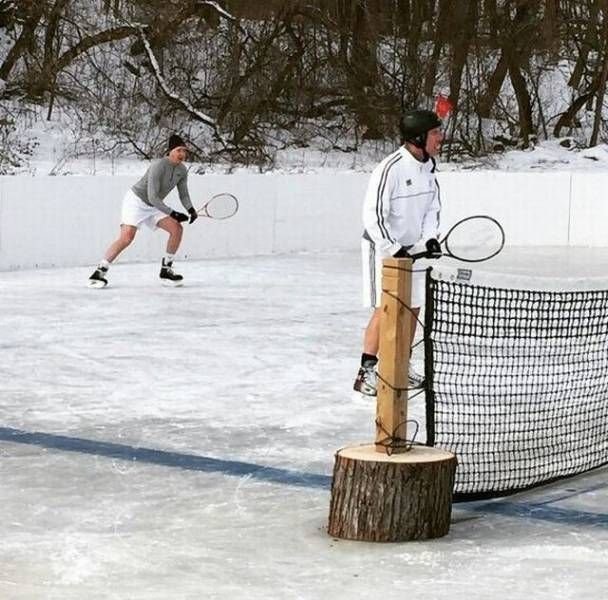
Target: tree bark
[[443, 23], [524, 104], [52, 43], [487, 100], [403, 497], [516, 46], [465, 16], [362, 70], [24, 40], [566, 119], [587, 45], [601, 92]]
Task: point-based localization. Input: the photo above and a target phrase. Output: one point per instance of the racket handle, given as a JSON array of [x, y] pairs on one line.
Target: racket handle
[[433, 250], [418, 255]]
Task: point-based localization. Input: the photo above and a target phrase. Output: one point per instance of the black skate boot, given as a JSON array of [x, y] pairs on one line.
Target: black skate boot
[[168, 276], [98, 278]]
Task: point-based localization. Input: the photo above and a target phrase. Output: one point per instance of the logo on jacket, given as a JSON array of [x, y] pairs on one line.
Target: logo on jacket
[[408, 182]]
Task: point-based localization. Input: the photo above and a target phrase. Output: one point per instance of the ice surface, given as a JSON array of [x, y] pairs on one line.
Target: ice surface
[[178, 443]]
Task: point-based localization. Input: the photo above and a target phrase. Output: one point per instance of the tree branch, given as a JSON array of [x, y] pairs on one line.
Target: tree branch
[[183, 103]]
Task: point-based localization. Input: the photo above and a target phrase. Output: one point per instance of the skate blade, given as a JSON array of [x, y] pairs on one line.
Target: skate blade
[[97, 284], [366, 392], [172, 284]]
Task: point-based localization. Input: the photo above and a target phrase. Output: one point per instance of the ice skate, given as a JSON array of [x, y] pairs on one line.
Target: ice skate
[[98, 278], [367, 380], [168, 276], [415, 379]]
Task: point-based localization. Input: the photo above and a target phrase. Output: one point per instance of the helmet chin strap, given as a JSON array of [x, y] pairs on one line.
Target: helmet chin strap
[[420, 143]]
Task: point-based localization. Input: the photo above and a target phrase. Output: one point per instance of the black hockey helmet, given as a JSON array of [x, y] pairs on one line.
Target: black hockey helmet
[[415, 124]]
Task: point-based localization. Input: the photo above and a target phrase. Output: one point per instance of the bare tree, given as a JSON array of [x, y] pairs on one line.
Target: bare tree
[[248, 78], [29, 14]]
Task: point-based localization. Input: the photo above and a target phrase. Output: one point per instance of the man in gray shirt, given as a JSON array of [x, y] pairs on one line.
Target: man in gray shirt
[[143, 205]]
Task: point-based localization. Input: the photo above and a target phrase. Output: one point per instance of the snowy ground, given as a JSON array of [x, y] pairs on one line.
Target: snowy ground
[[56, 153], [177, 443]]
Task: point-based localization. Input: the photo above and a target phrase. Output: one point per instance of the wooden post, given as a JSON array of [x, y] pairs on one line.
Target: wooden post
[[395, 338], [387, 491]]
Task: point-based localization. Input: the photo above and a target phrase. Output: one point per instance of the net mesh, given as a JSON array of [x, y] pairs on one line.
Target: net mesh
[[516, 383]]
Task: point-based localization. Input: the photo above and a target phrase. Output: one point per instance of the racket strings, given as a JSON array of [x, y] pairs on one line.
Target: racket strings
[[220, 206], [475, 239]]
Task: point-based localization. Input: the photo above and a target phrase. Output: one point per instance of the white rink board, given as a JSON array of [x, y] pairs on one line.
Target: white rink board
[[533, 208], [68, 221], [589, 212]]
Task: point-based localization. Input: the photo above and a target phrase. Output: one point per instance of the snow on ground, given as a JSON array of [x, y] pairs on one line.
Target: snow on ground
[[546, 156], [55, 153]]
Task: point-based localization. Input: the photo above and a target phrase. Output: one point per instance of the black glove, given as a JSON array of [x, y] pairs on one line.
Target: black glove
[[433, 249], [402, 253], [193, 215], [179, 217]]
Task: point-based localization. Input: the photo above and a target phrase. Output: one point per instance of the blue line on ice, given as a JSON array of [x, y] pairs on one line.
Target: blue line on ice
[[192, 462], [542, 512]]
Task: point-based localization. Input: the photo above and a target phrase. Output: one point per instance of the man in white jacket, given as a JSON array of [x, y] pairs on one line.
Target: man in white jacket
[[400, 214]]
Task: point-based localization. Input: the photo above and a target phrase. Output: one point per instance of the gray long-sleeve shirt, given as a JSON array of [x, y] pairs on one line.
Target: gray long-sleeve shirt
[[160, 178]]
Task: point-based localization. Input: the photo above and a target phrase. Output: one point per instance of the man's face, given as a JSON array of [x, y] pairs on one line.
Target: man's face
[[433, 141], [178, 154]]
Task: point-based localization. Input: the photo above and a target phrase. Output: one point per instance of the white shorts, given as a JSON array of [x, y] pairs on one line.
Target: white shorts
[[372, 278], [135, 212]]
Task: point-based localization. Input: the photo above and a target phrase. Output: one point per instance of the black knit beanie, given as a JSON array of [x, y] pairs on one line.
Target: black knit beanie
[[175, 141]]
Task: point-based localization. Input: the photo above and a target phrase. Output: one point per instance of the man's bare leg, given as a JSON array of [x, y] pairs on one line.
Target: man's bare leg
[[175, 231], [126, 236], [371, 338], [366, 378]]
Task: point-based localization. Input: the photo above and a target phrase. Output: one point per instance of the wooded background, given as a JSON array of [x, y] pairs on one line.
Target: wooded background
[[242, 79]]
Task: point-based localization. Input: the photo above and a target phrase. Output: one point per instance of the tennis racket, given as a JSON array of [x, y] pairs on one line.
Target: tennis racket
[[220, 206], [473, 239]]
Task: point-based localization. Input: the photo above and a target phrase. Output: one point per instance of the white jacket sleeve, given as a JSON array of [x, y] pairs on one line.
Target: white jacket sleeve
[[430, 222], [376, 209]]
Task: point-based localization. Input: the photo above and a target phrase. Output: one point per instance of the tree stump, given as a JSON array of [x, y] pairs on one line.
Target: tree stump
[[402, 497]]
